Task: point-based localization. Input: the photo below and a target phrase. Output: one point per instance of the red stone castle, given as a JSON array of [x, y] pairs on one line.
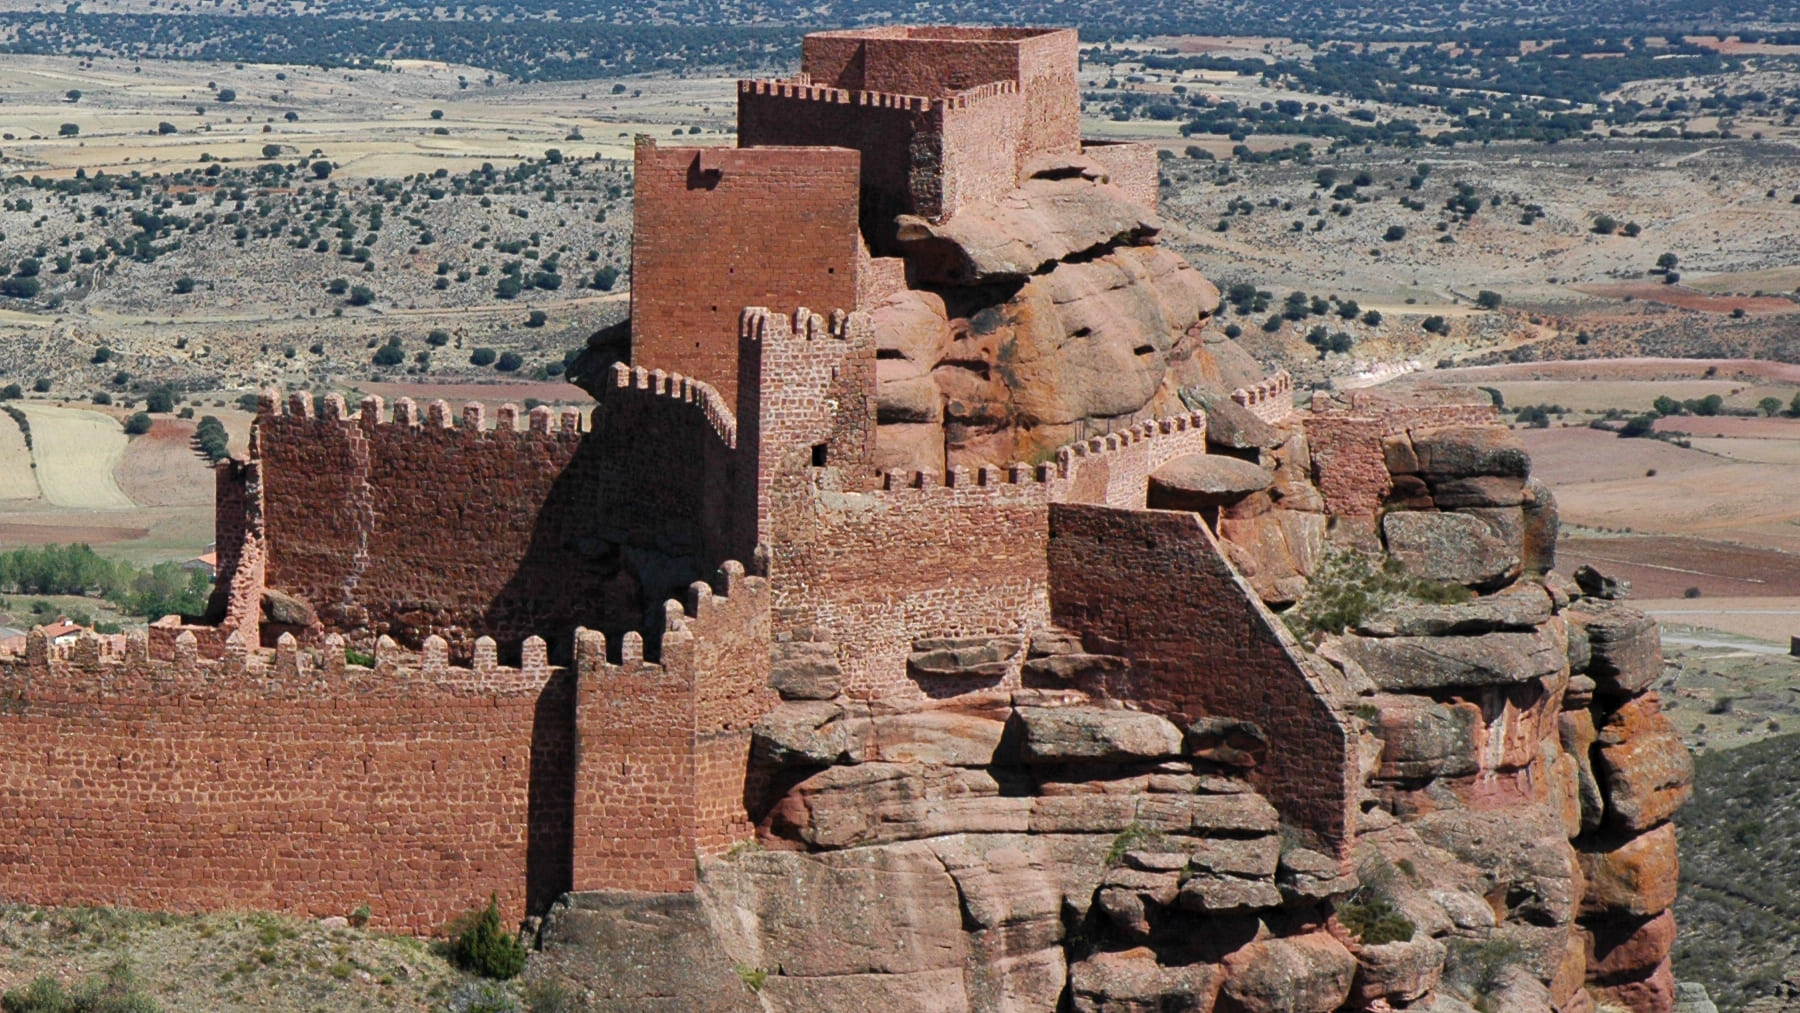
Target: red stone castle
[[451, 655]]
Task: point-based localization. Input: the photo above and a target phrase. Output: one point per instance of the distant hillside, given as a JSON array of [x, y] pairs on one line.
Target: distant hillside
[[1740, 870]]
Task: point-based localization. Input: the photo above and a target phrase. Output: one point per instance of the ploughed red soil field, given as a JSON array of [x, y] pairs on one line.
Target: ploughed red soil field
[[1661, 566]]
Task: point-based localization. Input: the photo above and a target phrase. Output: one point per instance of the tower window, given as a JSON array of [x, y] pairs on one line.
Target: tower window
[[818, 455]]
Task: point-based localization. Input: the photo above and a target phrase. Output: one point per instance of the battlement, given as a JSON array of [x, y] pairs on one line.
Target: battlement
[[1271, 400], [802, 89], [685, 389], [542, 420]]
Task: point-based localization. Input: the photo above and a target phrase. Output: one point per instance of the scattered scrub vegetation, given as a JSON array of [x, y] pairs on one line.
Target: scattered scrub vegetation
[[1349, 586]]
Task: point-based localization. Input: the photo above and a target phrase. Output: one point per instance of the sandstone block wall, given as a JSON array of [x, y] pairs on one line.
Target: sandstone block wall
[[719, 229], [943, 116], [413, 527], [284, 781], [1155, 584], [1348, 463], [664, 747]]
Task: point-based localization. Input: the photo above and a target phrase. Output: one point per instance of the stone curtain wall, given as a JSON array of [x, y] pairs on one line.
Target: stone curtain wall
[[719, 229], [938, 555], [943, 116], [283, 781], [899, 138], [664, 748], [1155, 584], [414, 527]]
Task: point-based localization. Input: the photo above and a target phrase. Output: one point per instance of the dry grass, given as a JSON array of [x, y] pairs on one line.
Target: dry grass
[[76, 452], [221, 962]]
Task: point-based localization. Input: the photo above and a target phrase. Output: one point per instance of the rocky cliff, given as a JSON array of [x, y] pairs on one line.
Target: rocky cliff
[[1053, 848], [1042, 319]]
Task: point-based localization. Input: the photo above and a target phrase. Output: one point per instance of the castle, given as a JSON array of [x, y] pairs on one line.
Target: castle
[[547, 654]]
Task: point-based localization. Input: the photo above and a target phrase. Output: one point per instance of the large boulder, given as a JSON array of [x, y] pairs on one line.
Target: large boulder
[[1135, 981], [1043, 222], [1644, 769], [1066, 734], [1417, 664], [1458, 548], [1454, 452], [805, 671], [1303, 974], [1636, 876], [1626, 647], [1200, 481]]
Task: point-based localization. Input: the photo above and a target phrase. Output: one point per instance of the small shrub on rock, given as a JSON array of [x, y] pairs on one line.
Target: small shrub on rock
[[484, 947]]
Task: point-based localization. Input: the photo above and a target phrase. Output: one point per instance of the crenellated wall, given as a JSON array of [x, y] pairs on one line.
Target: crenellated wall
[[1271, 400], [284, 780], [290, 779], [415, 526]]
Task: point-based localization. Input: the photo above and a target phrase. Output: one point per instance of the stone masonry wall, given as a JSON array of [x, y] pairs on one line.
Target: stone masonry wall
[[283, 781], [664, 747], [719, 229], [419, 527], [1155, 584]]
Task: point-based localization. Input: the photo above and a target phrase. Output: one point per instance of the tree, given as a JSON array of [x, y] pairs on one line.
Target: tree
[[484, 947], [184, 285], [1372, 318], [1769, 405], [437, 339], [1435, 324], [211, 439], [1487, 300], [227, 95], [271, 151], [138, 425], [1605, 224], [337, 286], [28, 268], [437, 114], [554, 156], [101, 355], [1666, 405], [166, 127], [483, 357], [1667, 262], [68, 130], [161, 401], [20, 288], [537, 318], [1642, 425], [509, 288], [389, 355], [605, 278], [509, 362], [1395, 233], [73, 94], [11, 392], [362, 295], [321, 169]]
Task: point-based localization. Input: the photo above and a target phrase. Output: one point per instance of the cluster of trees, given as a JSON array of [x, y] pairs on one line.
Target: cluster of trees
[[163, 589]]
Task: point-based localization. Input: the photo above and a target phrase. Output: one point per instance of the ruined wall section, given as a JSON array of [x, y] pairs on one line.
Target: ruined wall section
[[1272, 400], [284, 780], [1155, 584], [1131, 166], [1349, 466], [719, 229]]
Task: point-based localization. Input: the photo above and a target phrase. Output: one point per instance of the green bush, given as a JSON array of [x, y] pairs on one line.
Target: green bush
[[483, 357], [1348, 587], [138, 425], [1375, 920], [114, 992], [483, 947]]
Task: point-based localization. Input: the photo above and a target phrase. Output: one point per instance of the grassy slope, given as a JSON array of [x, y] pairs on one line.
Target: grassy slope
[[1738, 904], [218, 962]]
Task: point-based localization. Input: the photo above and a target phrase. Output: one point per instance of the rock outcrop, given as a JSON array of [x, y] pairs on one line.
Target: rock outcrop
[[1044, 848]]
